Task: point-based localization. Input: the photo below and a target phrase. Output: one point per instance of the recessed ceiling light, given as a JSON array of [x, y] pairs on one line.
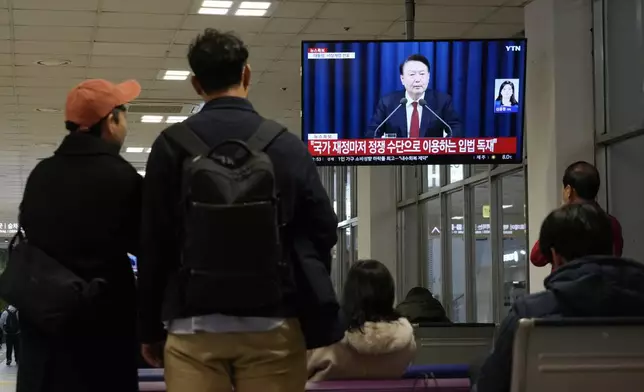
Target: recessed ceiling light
[[213, 11], [53, 62], [148, 150], [177, 73], [255, 5], [247, 12], [141, 173], [216, 4], [48, 110], [134, 150], [175, 119], [151, 119], [174, 75]]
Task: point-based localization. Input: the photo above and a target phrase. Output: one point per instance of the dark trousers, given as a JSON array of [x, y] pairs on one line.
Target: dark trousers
[[13, 347]]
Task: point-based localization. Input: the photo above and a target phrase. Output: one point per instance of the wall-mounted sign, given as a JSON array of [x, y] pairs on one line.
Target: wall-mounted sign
[[8, 228], [507, 229], [486, 212], [482, 229]]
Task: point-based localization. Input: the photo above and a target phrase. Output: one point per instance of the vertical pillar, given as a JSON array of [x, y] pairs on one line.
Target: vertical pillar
[[410, 18], [377, 234], [377, 198], [559, 104]]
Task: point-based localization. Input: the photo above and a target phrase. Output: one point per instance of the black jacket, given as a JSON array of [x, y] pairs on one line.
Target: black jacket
[[422, 307], [82, 207], [430, 125], [313, 223], [589, 287]]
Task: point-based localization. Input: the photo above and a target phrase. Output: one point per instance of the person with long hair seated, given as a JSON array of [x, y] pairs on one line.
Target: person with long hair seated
[[378, 343]]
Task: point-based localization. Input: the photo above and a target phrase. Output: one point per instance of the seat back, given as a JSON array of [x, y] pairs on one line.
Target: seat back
[[151, 375], [589, 355], [438, 385], [152, 386], [442, 385], [453, 343]]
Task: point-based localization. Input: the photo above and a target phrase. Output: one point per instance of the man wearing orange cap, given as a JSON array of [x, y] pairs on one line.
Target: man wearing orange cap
[[81, 207]]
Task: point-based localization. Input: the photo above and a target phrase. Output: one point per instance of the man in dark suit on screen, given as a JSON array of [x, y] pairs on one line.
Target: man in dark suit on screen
[[416, 111]]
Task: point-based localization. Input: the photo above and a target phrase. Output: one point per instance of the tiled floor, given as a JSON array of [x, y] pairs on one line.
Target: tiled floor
[[7, 375]]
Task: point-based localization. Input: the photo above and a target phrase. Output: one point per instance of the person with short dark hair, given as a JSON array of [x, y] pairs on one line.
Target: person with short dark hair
[[580, 185], [379, 343], [415, 118], [420, 306], [82, 207], [589, 282], [229, 325]]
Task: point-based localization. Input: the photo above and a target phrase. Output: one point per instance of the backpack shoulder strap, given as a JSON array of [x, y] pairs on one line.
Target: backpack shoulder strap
[[265, 135], [185, 137]]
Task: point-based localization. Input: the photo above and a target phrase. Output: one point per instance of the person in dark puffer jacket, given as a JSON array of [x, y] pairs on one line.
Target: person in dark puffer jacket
[[588, 282], [420, 306]]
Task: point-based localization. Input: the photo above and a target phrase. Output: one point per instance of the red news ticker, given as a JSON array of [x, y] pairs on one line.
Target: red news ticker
[[408, 146], [318, 50]]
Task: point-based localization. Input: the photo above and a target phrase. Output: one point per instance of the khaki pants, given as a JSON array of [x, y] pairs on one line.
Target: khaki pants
[[272, 361]]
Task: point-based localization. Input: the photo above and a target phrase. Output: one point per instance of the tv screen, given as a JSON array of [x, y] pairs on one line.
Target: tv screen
[[413, 102], [133, 262]]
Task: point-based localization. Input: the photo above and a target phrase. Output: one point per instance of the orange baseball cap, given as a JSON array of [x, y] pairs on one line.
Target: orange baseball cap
[[92, 100]]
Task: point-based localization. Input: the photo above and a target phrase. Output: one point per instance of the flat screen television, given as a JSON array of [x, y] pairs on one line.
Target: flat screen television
[[133, 262], [414, 102]]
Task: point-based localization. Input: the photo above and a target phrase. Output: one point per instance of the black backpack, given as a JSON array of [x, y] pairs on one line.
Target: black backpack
[[11, 324], [232, 259]]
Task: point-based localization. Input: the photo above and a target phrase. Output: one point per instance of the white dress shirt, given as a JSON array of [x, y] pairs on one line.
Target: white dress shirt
[[410, 111], [219, 323]]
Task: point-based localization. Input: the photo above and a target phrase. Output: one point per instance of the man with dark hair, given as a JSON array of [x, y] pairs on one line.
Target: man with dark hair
[[209, 262], [580, 181], [591, 282], [417, 111], [581, 185], [82, 207]]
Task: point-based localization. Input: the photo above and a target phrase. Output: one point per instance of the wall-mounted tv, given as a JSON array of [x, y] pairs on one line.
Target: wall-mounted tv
[[133, 261], [414, 102]]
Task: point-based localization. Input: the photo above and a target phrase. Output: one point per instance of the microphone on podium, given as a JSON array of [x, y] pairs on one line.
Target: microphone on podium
[[423, 103], [402, 102]]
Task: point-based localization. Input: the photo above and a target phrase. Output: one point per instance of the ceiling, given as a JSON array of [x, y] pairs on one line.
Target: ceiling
[[122, 39]]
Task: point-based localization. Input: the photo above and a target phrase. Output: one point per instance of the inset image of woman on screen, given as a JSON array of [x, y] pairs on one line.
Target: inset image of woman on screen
[[506, 101]]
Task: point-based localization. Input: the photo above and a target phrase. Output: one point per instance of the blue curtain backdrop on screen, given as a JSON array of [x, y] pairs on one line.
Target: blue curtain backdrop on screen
[[339, 96]]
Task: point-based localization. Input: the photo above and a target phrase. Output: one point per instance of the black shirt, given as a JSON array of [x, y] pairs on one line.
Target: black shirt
[[300, 187]]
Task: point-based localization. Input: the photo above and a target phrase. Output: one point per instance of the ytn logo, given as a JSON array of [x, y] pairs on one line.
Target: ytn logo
[[512, 48]]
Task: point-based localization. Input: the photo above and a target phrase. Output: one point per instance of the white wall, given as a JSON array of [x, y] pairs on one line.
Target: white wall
[[559, 104], [377, 217]]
